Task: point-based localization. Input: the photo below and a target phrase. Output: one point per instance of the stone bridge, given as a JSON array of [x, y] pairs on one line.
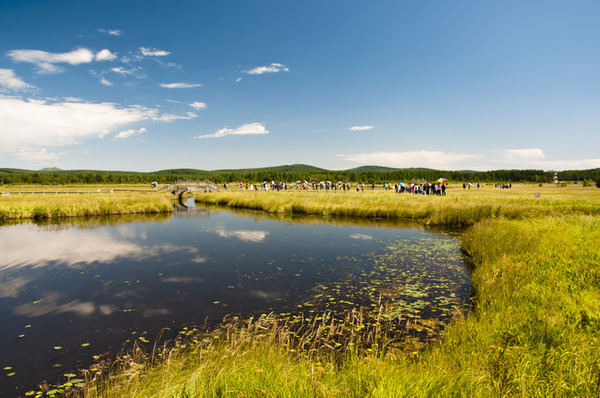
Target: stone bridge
[[180, 187]]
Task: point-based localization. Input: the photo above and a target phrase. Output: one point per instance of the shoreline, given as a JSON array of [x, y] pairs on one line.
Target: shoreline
[[532, 329]]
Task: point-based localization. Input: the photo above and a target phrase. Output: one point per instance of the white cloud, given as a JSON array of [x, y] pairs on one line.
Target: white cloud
[[429, 159], [112, 32], [153, 52], [520, 155], [46, 61], [29, 125], [131, 132], [361, 128], [128, 72], [527, 158], [167, 117], [198, 105], [582, 164], [37, 155], [180, 85], [244, 235], [246, 129], [272, 68], [534, 158], [239, 79], [105, 82], [10, 81], [105, 55], [361, 237]]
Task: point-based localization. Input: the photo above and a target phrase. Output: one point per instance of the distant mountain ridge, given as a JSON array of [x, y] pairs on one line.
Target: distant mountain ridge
[[293, 172]]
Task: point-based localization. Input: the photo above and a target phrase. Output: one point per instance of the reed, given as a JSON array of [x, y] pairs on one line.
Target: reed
[[54, 206], [459, 207], [533, 332]]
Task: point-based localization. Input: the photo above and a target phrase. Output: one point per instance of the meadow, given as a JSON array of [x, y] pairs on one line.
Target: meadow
[[532, 331], [65, 201], [459, 207]]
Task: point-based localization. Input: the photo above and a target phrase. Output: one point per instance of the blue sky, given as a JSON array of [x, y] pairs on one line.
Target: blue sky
[[144, 86]]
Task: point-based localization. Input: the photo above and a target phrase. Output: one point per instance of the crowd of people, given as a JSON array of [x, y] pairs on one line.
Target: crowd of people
[[426, 188]]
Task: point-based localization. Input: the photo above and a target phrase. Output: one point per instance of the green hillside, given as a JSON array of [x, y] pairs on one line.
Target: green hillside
[[289, 173]]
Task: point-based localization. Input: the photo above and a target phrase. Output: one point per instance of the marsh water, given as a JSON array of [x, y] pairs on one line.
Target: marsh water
[[76, 291]]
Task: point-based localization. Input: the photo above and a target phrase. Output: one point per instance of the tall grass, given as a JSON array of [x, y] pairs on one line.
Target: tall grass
[[533, 332], [50, 206], [457, 208]]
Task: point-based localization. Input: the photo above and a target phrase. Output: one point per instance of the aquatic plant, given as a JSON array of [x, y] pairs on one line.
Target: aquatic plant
[[533, 332]]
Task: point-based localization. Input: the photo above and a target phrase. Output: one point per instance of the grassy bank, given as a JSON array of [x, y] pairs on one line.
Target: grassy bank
[[533, 332], [459, 207], [52, 206]]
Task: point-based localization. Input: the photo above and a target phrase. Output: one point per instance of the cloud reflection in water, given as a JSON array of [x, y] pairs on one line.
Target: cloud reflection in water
[[27, 245], [244, 235]]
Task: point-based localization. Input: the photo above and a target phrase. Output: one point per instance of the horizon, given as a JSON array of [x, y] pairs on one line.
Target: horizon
[[50, 169], [340, 85]]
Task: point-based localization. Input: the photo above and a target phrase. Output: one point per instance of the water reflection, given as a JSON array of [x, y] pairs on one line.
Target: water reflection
[[99, 281], [28, 245], [246, 236], [58, 303]]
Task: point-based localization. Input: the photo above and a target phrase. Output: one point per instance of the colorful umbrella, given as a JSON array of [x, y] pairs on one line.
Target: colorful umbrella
[[442, 180]]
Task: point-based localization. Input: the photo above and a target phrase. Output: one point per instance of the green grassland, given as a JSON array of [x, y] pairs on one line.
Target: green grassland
[[459, 207], [60, 204], [534, 327]]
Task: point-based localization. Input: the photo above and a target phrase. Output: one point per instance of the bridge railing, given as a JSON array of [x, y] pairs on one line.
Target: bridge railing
[[186, 184]]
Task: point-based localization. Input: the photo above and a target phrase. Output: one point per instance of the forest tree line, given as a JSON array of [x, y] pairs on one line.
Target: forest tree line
[[251, 176]]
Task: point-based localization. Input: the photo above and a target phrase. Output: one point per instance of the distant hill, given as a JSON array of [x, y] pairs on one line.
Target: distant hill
[[382, 169], [367, 174], [293, 168]]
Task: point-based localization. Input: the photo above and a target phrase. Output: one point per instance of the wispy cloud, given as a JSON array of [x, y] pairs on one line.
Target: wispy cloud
[[246, 129], [521, 155], [535, 158], [130, 133], [153, 52], [46, 62], [244, 235], [9, 81], [430, 159], [167, 117], [525, 158], [198, 105], [361, 128], [112, 32], [30, 126], [272, 68], [180, 85], [135, 71], [105, 82], [361, 237], [37, 155]]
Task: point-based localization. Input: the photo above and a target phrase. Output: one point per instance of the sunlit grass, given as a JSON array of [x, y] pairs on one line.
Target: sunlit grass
[[459, 207], [534, 332], [53, 206]]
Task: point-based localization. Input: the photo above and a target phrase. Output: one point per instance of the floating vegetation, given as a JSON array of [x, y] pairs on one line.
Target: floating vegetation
[[407, 292]]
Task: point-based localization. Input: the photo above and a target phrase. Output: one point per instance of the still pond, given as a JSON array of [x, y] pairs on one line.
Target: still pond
[[77, 291]]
